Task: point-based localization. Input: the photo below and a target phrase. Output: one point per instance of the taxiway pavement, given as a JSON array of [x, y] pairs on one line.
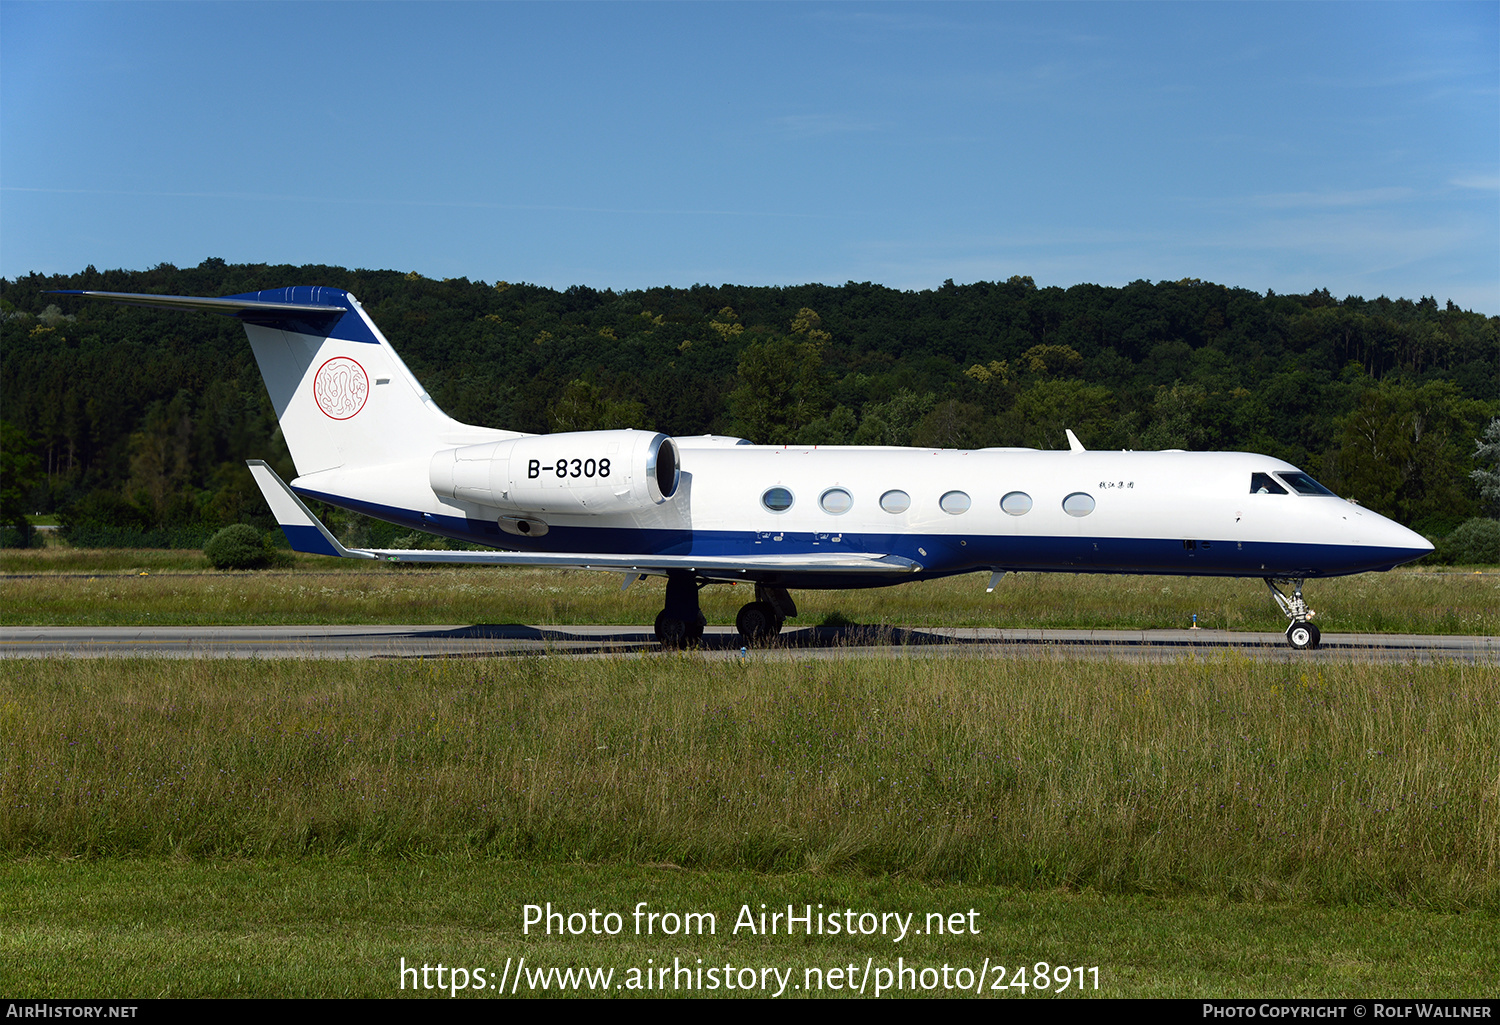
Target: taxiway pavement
[[512, 640]]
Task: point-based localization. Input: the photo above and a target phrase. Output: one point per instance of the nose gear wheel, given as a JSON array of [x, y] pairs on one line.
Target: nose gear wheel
[[1300, 633]]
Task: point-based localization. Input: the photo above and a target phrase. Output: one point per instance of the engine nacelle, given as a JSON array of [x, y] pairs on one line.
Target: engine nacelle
[[589, 473]]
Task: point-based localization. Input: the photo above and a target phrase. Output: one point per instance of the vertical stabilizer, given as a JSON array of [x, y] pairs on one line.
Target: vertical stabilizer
[[342, 395]]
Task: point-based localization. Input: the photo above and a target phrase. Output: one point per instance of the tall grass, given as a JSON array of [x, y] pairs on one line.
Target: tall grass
[[1410, 601], [1245, 779]]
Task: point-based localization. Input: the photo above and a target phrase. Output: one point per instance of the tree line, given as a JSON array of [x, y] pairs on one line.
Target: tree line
[[142, 419]]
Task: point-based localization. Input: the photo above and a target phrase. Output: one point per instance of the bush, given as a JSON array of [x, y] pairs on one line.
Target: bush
[[1474, 542], [239, 546], [20, 536], [102, 511]]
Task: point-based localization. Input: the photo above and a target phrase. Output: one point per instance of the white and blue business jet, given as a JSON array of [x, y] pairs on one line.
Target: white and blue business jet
[[366, 436]]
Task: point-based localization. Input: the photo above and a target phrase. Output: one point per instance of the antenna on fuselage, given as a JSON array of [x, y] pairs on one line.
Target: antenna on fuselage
[[1074, 445]]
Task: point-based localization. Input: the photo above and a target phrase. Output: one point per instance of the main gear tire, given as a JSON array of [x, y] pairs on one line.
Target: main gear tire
[[758, 622], [671, 632]]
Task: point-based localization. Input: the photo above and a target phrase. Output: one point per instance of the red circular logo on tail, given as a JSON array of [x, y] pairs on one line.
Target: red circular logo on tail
[[341, 387]]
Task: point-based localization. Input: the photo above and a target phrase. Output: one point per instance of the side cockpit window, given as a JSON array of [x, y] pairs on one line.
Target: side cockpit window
[[1305, 485], [1265, 484]]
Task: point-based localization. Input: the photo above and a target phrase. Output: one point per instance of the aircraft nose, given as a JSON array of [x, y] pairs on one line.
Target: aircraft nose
[[1405, 544]]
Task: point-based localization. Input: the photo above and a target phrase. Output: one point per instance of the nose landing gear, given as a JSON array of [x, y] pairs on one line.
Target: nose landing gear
[[1300, 633]]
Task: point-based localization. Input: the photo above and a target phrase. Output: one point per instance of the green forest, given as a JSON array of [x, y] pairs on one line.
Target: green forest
[[135, 420]]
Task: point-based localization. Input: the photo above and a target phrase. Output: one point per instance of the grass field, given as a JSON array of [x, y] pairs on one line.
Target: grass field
[[340, 927], [294, 828], [1244, 828], [218, 828], [119, 588], [1243, 780]]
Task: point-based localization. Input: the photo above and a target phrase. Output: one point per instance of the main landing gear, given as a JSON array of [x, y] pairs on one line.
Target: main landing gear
[[680, 624], [761, 620], [1300, 634]]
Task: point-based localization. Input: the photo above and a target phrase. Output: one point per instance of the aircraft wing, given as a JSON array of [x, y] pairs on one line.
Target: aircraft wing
[[307, 534]]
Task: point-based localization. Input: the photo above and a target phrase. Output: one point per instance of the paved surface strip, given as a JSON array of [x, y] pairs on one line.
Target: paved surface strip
[[802, 642]]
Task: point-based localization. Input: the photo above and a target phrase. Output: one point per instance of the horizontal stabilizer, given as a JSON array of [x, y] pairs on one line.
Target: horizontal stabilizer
[[234, 305], [251, 306], [306, 309]]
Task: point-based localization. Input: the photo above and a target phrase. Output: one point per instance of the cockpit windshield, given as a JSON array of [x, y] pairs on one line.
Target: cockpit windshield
[[1265, 484], [1304, 485]]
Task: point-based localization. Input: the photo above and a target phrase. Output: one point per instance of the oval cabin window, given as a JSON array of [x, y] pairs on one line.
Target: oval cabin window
[[954, 502], [1017, 503], [836, 501], [777, 500], [895, 501], [1078, 504]]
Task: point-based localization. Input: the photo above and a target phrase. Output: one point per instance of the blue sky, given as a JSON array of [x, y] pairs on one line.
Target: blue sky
[[1354, 147]]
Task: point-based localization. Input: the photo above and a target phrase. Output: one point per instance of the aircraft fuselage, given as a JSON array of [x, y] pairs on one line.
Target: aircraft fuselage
[[1015, 509]]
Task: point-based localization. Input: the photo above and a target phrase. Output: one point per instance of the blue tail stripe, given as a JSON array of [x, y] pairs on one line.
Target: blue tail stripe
[[345, 325], [309, 539]]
